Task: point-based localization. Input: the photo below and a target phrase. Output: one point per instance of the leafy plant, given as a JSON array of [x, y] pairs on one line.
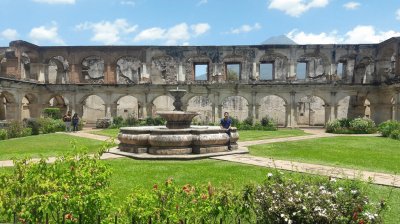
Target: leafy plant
[[3, 134], [386, 128], [54, 113], [16, 129]]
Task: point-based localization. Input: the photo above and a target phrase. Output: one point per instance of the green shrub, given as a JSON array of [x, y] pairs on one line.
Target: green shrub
[[333, 126], [53, 113], [34, 125], [155, 121], [268, 124], [363, 126], [395, 134], [284, 199], [72, 185], [3, 134], [16, 129], [248, 121], [386, 128], [235, 122], [118, 121], [49, 125]]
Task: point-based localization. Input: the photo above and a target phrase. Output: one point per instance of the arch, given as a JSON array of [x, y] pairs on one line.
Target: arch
[[59, 101], [25, 64], [128, 106], [93, 69], [57, 70], [364, 71], [93, 108], [273, 107], [128, 70], [202, 105], [236, 106], [359, 106], [311, 111], [6, 102], [162, 103]]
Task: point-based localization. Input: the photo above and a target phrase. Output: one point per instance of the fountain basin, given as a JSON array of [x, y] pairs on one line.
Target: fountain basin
[[159, 140], [177, 119]]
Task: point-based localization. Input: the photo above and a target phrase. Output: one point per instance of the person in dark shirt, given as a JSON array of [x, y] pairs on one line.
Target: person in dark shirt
[[226, 123]]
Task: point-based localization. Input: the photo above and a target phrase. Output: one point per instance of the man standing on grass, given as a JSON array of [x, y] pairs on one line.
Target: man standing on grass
[[226, 123]]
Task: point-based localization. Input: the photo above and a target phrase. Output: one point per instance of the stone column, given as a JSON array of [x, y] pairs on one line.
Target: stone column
[[38, 69], [213, 112], [78, 108], [397, 107], [257, 111], [2, 109], [110, 74], [114, 109], [292, 114], [327, 113], [13, 111], [287, 114], [106, 110], [333, 107], [219, 111], [148, 110], [35, 109], [74, 74], [251, 110]]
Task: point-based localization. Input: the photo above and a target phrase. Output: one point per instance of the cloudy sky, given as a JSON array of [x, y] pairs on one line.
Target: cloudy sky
[[197, 22]]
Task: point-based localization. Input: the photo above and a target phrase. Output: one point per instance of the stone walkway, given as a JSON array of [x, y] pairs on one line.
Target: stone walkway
[[338, 172]]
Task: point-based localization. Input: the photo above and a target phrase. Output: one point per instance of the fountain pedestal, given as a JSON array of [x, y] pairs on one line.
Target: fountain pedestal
[[178, 136]]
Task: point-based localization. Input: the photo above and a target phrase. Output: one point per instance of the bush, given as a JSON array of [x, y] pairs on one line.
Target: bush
[[248, 121], [16, 129], [283, 199], [395, 134], [386, 128], [268, 124], [363, 126], [351, 126], [34, 125], [235, 122], [118, 121], [3, 134], [70, 186], [48, 125], [53, 113]]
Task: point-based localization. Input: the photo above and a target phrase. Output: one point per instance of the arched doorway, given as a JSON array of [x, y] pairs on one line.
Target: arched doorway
[[93, 109], [57, 71], [7, 106], [236, 106], [311, 111], [202, 105], [274, 108], [128, 106], [60, 102], [162, 103]]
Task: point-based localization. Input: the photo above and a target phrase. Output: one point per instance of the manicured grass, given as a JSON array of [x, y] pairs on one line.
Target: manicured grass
[[248, 135], [129, 175], [251, 135], [367, 153], [44, 145]]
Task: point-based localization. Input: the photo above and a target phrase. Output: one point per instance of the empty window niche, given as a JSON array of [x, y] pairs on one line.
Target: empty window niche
[[201, 72], [233, 71], [301, 70], [266, 71], [340, 70]]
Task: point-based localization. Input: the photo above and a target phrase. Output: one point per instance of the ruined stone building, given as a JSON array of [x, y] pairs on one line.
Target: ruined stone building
[[292, 84]]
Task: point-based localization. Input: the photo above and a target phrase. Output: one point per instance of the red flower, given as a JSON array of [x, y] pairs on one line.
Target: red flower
[[68, 216], [155, 186], [355, 216]]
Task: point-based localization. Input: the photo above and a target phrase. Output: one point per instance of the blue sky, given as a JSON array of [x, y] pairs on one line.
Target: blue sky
[[197, 22]]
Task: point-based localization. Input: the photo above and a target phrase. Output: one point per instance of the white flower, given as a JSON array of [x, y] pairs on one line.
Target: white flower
[[269, 175], [321, 187], [333, 179], [353, 191], [340, 188], [282, 215]]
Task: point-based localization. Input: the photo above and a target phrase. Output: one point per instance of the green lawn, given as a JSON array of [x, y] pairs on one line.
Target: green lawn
[[367, 153], [44, 145], [248, 135], [131, 174]]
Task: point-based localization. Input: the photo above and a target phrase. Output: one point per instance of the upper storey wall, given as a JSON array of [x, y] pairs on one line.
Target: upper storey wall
[[352, 64]]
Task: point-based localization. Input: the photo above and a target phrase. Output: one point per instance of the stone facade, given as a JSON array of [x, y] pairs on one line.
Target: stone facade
[[305, 84]]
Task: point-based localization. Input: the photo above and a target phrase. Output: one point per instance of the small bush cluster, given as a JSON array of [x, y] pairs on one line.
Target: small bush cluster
[[70, 186], [265, 124], [54, 113], [131, 121], [390, 129], [351, 126], [17, 129]]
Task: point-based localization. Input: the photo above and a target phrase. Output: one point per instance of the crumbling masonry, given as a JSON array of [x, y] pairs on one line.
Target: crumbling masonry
[[292, 84]]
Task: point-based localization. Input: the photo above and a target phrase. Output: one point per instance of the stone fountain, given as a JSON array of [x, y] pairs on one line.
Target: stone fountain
[[178, 136]]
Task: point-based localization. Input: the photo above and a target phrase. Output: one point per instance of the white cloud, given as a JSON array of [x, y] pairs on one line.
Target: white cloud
[[178, 34], [9, 34], [55, 1], [296, 7], [202, 2], [130, 3], [107, 32], [46, 34], [358, 35], [200, 28], [352, 5], [398, 14], [245, 28]]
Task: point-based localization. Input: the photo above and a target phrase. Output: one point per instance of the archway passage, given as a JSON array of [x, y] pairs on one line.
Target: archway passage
[[162, 103], [203, 106], [57, 71], [93, 109], [311, 111], [60, 102], [128, 106], [273, 107], [6, 106], [236, 106], [359, 106]]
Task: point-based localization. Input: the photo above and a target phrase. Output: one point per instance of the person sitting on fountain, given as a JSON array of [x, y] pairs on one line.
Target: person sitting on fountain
[[226, 123]]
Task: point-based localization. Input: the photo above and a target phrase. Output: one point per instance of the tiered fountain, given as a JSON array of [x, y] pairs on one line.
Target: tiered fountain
[[178, 136]]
